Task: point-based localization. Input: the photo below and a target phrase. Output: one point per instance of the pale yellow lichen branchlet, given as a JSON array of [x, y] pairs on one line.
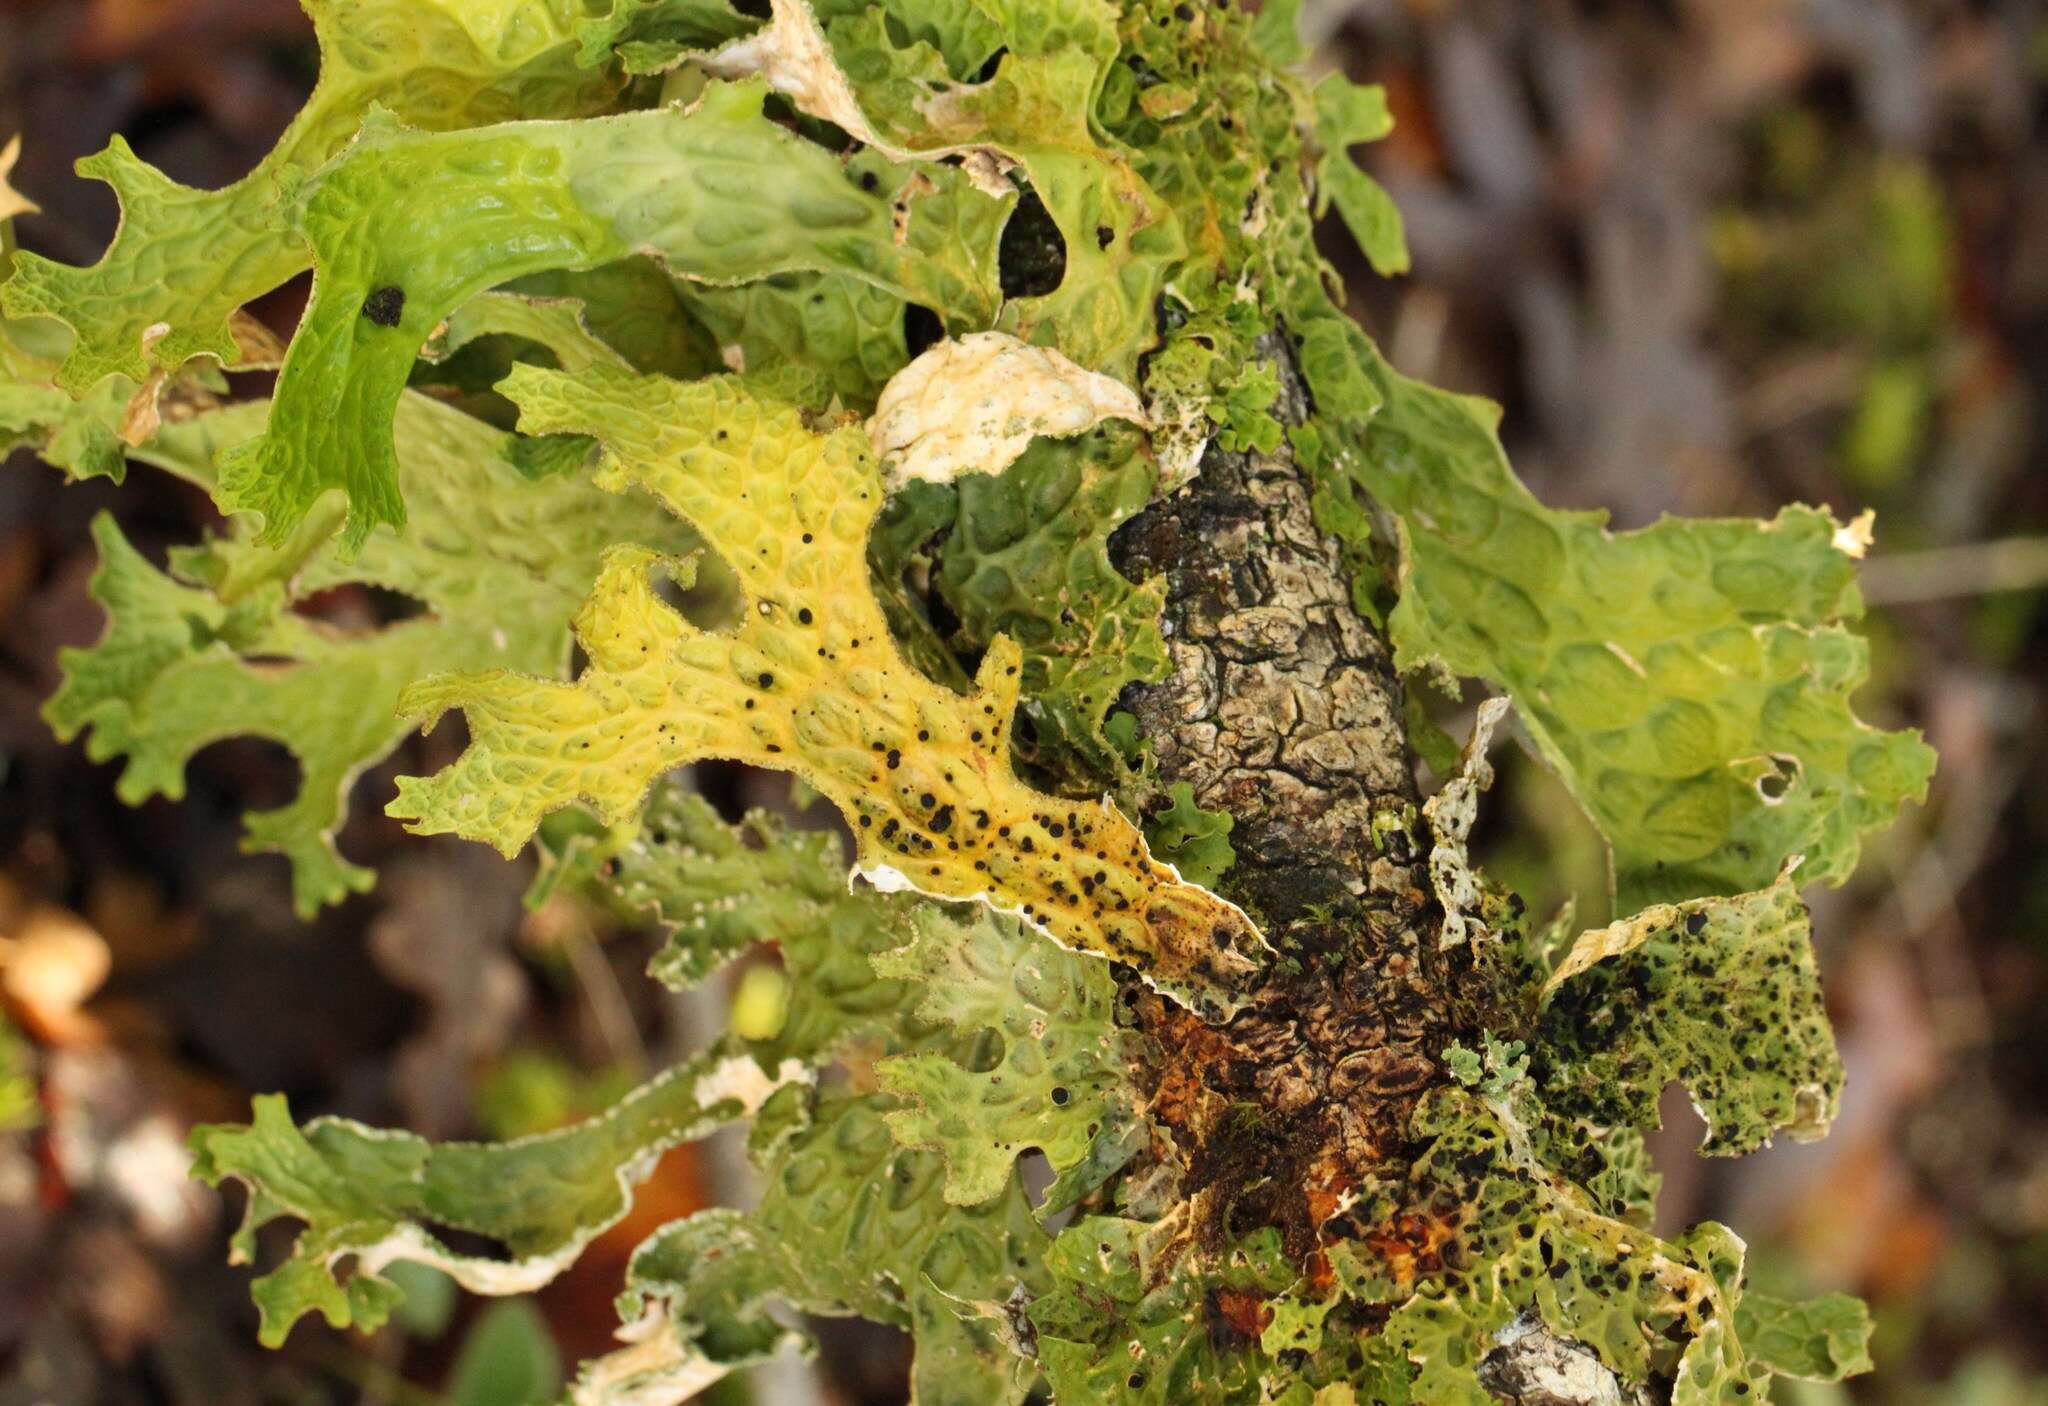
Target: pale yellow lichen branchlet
[[12, 201], [1450, 814]]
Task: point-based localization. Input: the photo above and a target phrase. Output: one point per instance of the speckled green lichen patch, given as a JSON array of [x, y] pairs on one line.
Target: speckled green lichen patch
[[1062, 1086], [1720, 994]]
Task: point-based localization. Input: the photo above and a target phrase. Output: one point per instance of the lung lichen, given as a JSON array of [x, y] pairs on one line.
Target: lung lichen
[[1164, 527]]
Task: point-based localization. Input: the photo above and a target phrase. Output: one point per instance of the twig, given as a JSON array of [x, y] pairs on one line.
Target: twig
[[608, 1004], [1970, 569]]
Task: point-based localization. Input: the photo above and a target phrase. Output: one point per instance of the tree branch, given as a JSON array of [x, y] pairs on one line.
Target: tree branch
[[1284, 709]]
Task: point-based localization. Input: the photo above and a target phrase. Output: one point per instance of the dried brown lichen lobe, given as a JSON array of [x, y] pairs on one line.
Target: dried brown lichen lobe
[[809, 681]]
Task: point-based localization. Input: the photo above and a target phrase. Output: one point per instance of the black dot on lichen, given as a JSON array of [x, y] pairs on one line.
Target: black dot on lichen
[[767, 680], [1694, 922], [803, 615], [895, 759], [385, 305], [1060, 1096]]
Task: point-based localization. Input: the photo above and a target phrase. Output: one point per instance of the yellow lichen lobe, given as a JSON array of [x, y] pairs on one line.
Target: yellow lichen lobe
[[807, 681]]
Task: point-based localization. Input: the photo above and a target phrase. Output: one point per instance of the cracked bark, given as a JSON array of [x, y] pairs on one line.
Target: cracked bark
[[1283, 708]]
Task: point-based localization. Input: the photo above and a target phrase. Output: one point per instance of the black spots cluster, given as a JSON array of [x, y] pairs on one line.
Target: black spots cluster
[[385, 305], [1076, 885], [1740, 1022]]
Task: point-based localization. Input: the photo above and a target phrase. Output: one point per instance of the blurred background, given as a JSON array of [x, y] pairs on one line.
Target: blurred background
[[1712, 255]]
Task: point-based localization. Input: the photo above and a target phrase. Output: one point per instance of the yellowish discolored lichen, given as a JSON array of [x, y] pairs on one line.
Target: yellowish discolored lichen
[[809, 682], [973, 404], [12, 201]]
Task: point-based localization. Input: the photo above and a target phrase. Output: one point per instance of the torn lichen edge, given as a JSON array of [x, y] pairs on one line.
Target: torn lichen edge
[[657, 1366], [793, 56]]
